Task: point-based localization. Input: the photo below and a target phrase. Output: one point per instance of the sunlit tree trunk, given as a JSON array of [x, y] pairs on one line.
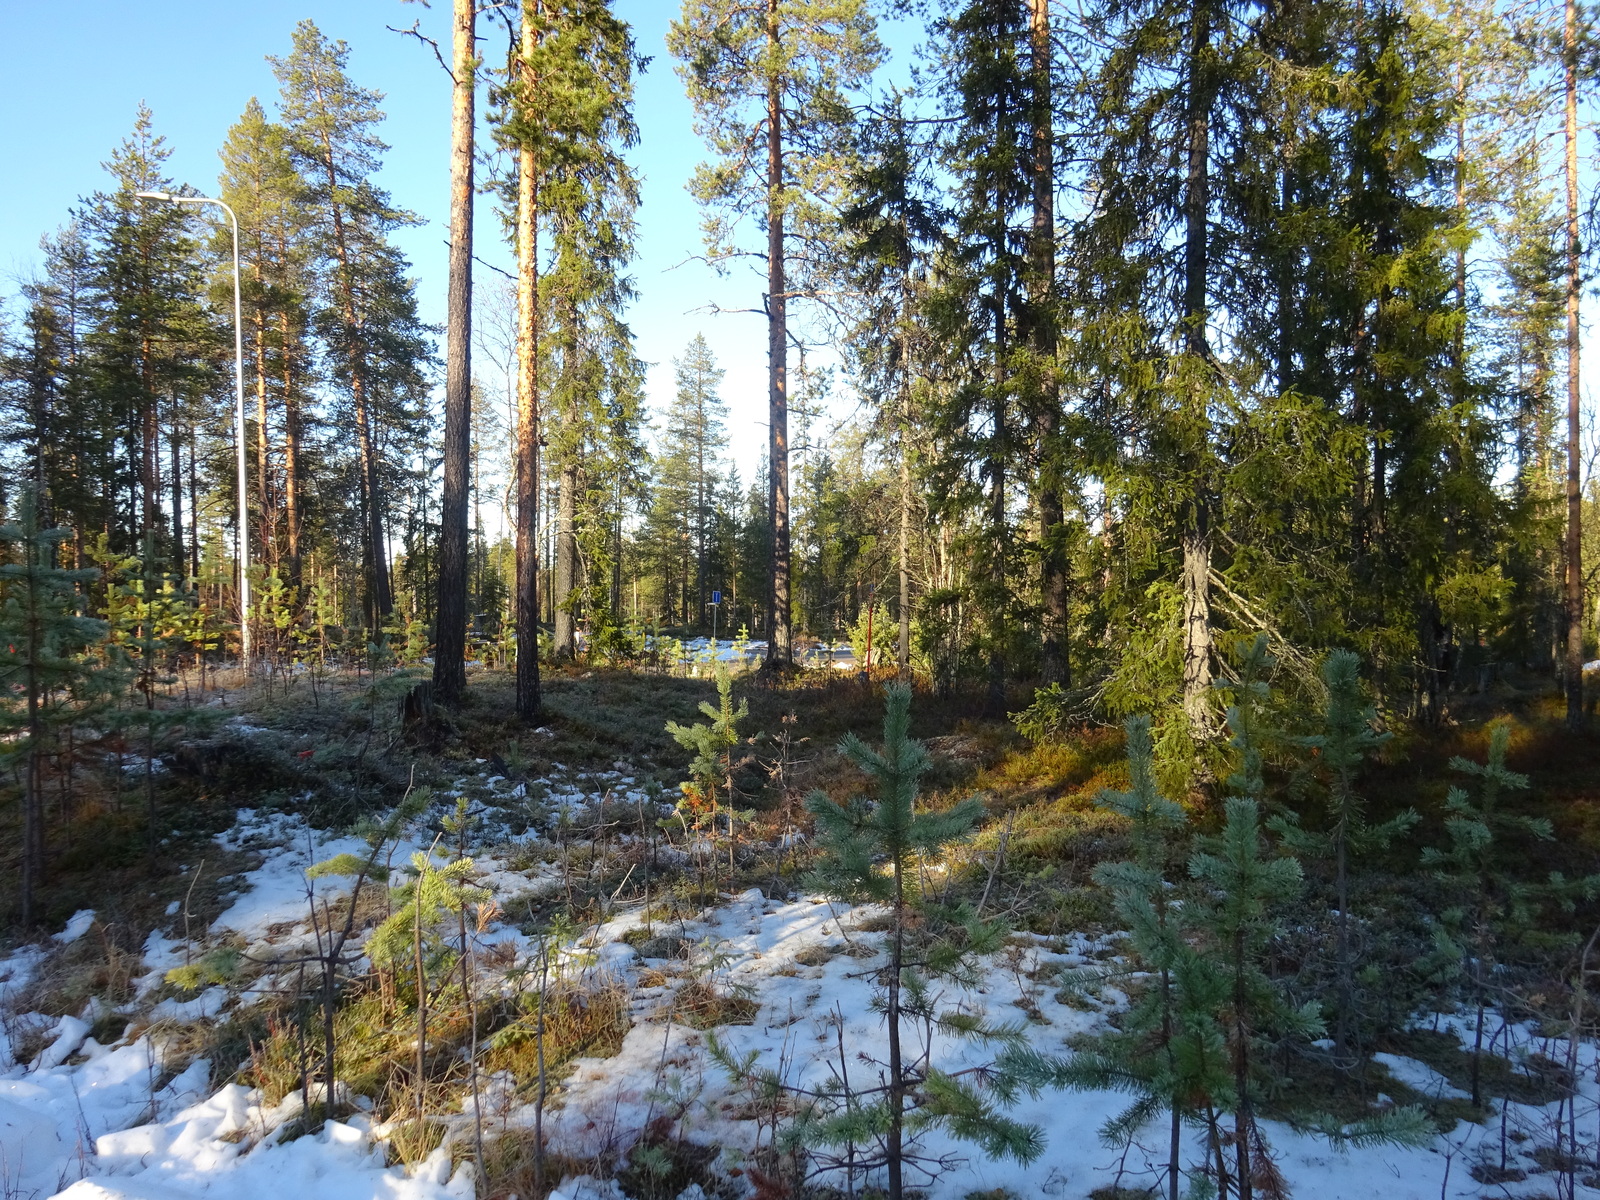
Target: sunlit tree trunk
[[450, 631]]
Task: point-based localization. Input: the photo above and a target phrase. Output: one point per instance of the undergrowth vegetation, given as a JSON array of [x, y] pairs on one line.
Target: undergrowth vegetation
[[456, 1014]]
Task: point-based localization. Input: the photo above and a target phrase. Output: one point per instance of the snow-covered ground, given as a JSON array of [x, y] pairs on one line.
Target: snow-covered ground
[[85, 1121]]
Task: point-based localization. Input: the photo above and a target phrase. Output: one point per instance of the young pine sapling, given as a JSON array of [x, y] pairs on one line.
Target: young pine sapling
[[869, 847], [1348, 737]]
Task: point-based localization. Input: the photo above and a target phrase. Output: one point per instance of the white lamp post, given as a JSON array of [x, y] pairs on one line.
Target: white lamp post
[[238, 421]]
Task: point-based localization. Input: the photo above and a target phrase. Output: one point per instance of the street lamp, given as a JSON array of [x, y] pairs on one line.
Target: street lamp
[[238, 420]]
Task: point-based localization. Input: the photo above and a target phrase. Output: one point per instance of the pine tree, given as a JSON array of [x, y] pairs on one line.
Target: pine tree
[[869, 849], [1169, 1050], [1494, 904], [366, 314], [260, 183], [768, 80], [519, 127], [1246, 887], [1572, 664], [43, 666], [1242, 891], [1348, 737], [449, 663]]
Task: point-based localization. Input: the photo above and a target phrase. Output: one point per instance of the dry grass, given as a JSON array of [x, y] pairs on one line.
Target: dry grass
[[100, 965], [578, 1022], [701, 1005]]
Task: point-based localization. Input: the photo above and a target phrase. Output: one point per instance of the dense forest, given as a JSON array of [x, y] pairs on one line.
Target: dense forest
[[1175, 406]]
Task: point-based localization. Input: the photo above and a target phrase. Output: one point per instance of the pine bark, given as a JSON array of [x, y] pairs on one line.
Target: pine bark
[[780, 649], [529, 698], [175, 446], [1574, 547], [450, 630], [291, 455], [269, 544], [380, 594]]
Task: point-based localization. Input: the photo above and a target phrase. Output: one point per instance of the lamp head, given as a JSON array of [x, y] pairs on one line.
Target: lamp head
[[154, 195]]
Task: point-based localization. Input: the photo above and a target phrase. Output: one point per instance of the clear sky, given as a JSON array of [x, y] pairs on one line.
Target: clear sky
[[72, 73]]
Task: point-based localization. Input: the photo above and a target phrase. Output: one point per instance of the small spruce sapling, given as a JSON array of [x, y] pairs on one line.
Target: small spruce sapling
[[869, 847], [43, 667], [1349, 735], [712, 769]]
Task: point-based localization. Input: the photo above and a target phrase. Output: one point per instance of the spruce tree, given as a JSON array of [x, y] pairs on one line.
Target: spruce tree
[[588, 193], [43, 666], [892, 221], [149, 337], [695, 428], [996, 313], [710, 790]]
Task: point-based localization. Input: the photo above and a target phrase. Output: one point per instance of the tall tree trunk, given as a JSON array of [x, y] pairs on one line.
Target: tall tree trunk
[[1458, 338], [291, 455], [1057, 662], [700, 516], [780, 649], [1196, 531], [566, 638], [194, 510], [998, 600], [903, 647], [380, 595], [269, 543], [1574, 547], [176, 444], [450, 629]]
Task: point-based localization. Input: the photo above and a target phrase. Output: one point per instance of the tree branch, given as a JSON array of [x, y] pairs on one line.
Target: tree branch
[[416, 32]]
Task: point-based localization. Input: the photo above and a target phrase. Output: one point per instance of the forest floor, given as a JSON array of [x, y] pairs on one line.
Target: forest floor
[[123, 1075]]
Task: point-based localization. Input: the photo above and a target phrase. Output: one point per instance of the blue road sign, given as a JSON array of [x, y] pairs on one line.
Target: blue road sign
[[716, 597]]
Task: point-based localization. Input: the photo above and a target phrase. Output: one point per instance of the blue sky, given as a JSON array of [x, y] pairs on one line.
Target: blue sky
[[72, 75]]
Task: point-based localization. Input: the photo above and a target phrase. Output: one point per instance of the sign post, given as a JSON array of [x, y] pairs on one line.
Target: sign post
[[716, 603]]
